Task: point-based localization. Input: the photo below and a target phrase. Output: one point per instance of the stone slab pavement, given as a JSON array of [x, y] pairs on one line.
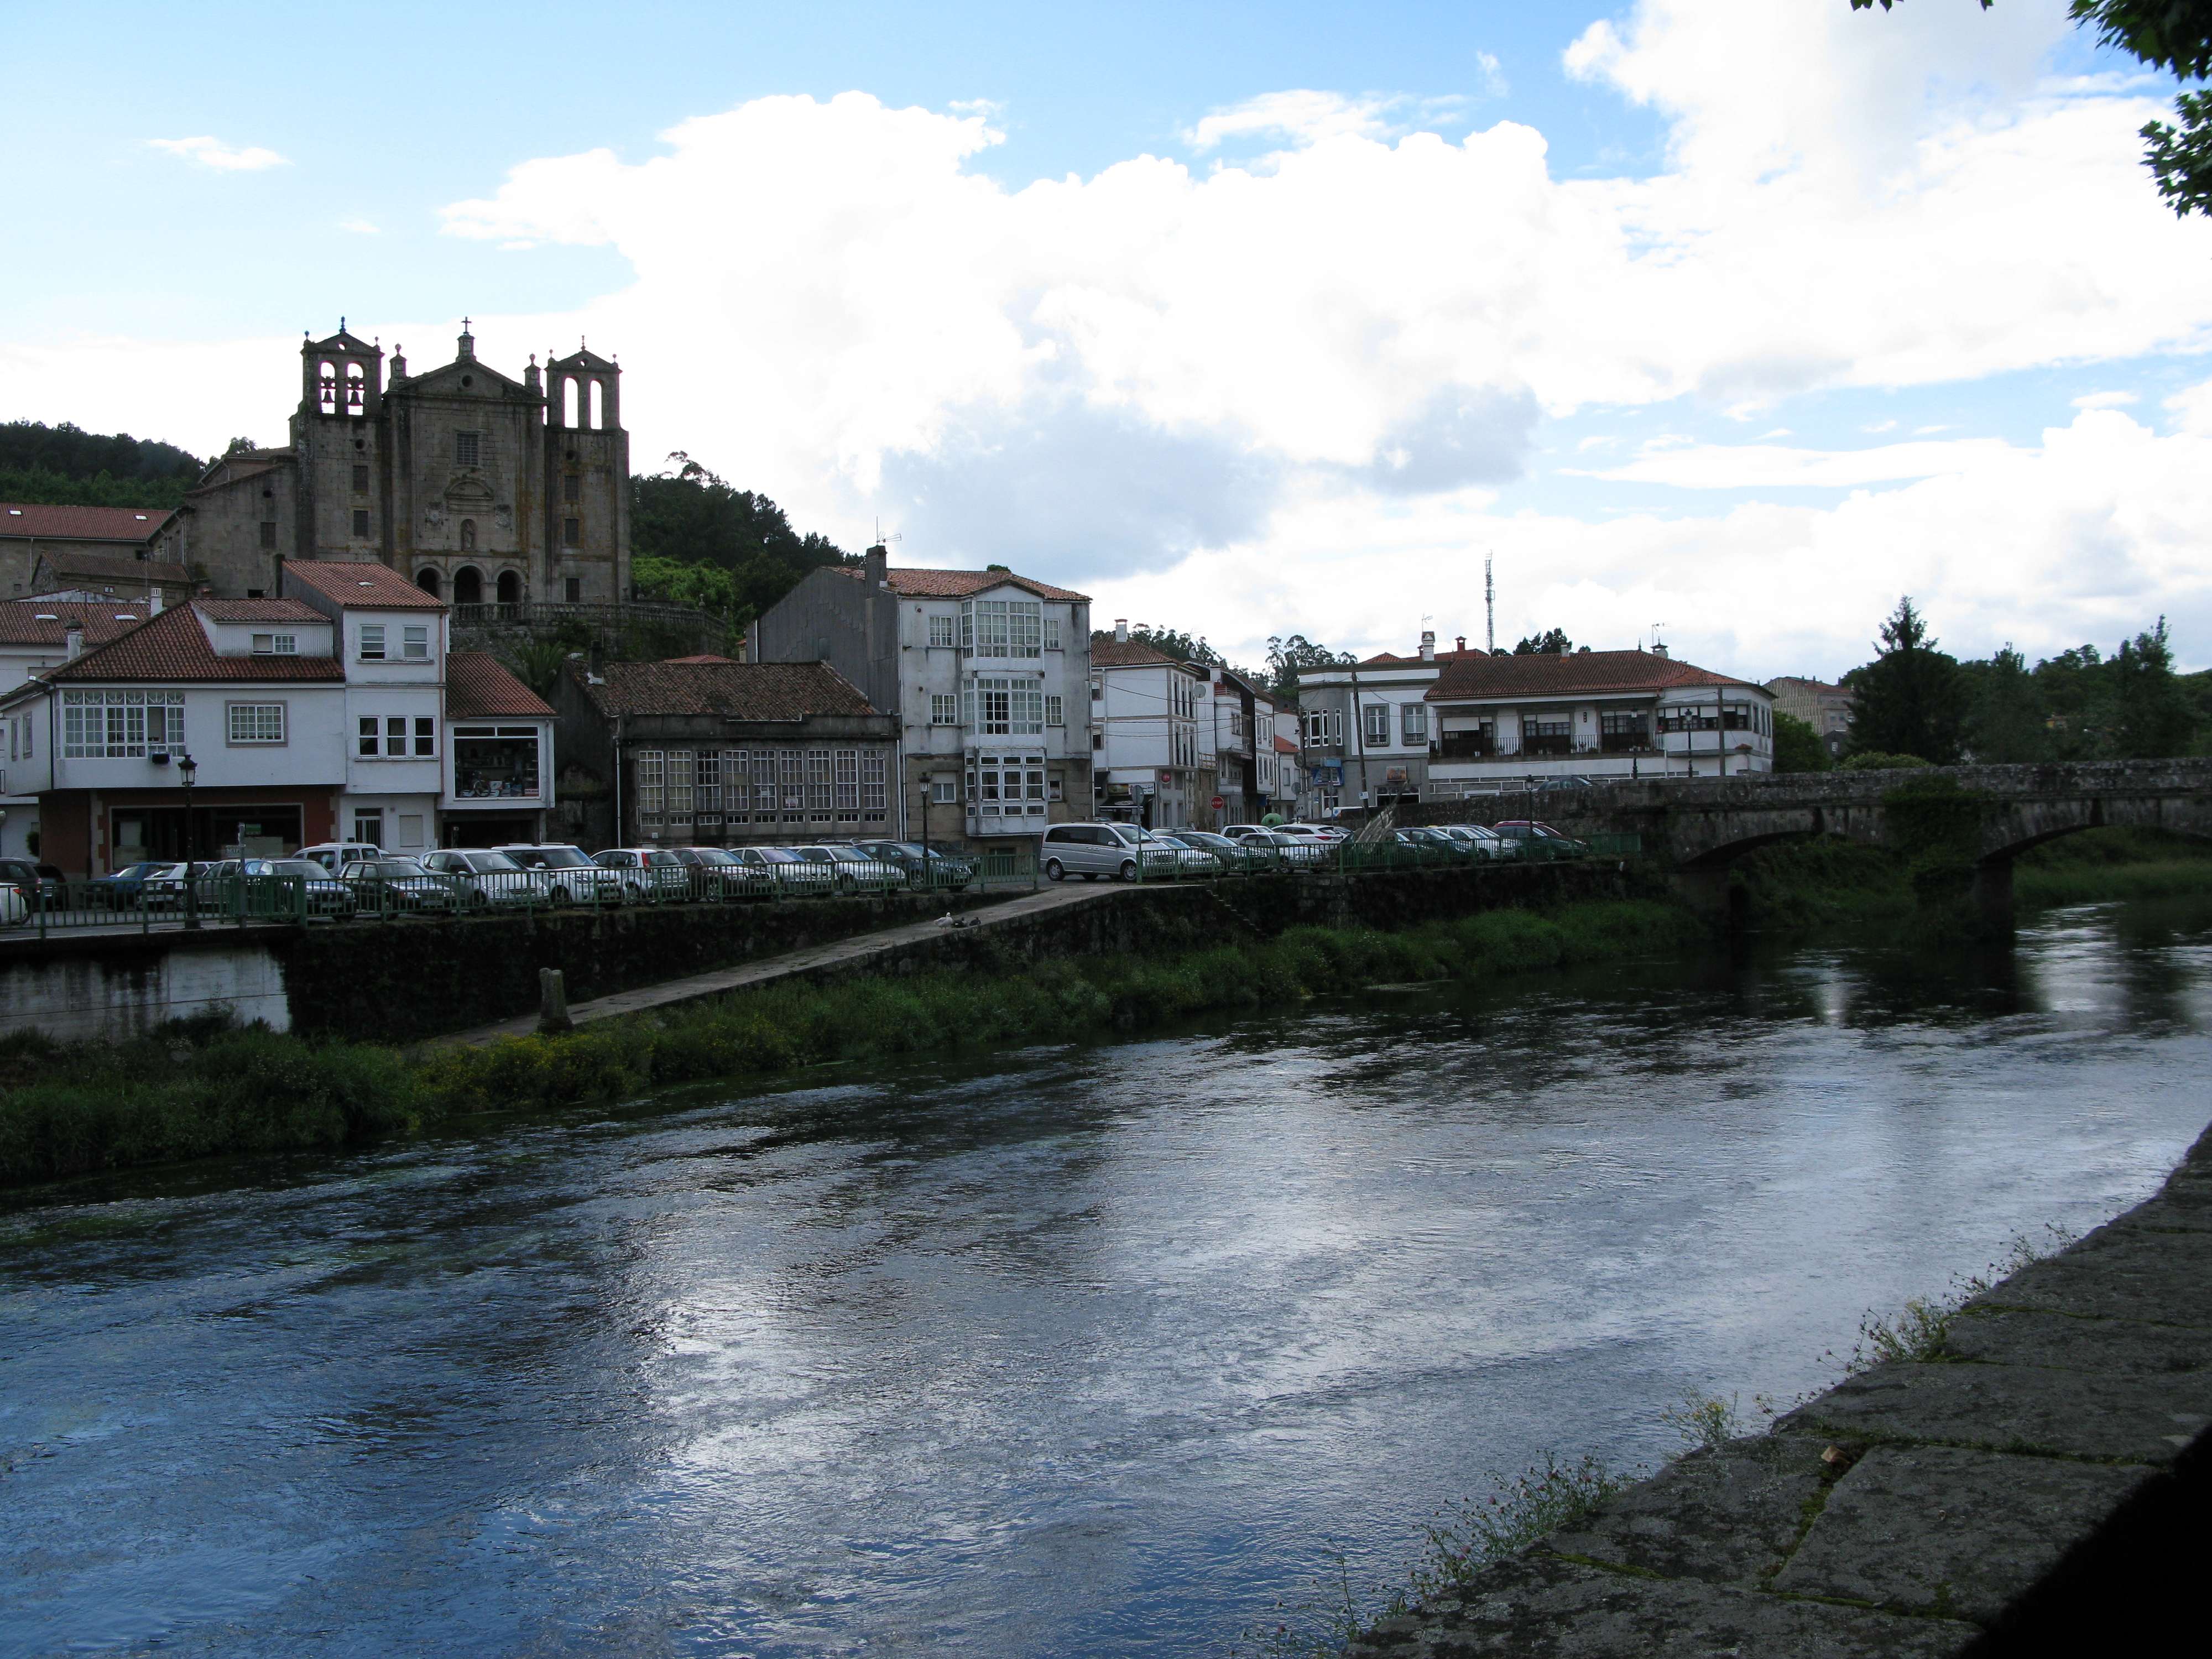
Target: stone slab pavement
[[2037, 1484], [837, 955]]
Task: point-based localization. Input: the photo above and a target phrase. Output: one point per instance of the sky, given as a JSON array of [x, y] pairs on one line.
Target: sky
[[1726, 322]]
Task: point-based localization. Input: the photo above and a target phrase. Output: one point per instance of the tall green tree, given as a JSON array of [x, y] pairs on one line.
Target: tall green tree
[[1797, 746], [2151, 715], [65, 465], [2174, 36], [1911, 698], [685, 515], [1552, 642], [2004, 711], [1288, 658]]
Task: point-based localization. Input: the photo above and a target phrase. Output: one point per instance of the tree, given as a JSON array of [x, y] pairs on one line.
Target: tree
[[1552, 642], [2152, 717], [2005, 717], [688, 516], [2174, 36], [66, 465], [1797, 746], [1288, 658], [1911, 699], [1174, 642]]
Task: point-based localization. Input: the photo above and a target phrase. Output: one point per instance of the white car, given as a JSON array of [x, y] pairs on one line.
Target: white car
[[570, 875], [332, 853], [15, 909], [856, 872], [647, 872]]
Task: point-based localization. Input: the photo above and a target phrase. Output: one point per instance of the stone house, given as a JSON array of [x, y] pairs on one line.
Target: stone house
[[713, 753], [47, 550]]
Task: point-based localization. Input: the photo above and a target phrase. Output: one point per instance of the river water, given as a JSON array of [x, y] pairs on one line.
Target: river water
[[1086, 1350]]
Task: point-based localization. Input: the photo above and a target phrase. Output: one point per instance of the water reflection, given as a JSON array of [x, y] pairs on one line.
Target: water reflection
[[1082, 1351]]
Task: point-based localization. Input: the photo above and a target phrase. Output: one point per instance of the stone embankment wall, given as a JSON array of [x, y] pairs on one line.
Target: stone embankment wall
[[130, 985], [2041, 1485]]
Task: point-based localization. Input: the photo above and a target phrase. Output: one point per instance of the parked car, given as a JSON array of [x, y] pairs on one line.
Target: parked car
[[783, 874], [15, 909], [1291, 852], [1230, 857], [1092, 850], [931, 867], [570, 875], [326, 895], [856, 872], [1538, 840], [162, 888], [715, 872], [124, 889], [1483, 839], [41, 883], [648, 873], [332, 853], [488, 880], [1434, 835], [1566, 783], [388, 884], [1323, 832], [1410, 846]]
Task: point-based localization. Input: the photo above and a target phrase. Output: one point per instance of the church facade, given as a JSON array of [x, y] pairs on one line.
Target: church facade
[[476, 487]]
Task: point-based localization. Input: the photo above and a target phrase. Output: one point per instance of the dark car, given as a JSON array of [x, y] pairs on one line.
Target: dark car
[[924, 866], [40, 882], [124, 889], [1540, 841]]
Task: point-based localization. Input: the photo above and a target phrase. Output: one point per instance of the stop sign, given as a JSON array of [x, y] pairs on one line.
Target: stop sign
[[1219, 803]]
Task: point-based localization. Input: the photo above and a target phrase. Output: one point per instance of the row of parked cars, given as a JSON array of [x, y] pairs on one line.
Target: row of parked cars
[[1129, 851]]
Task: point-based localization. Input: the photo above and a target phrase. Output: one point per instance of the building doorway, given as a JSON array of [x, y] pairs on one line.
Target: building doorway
[[428, 580], [468, 585], [510, 587]]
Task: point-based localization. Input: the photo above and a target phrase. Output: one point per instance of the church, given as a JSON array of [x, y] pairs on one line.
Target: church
[[476, 487]]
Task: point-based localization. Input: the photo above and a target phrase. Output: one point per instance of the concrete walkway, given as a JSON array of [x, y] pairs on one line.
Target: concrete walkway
[[2038, 1486], [845, 954]]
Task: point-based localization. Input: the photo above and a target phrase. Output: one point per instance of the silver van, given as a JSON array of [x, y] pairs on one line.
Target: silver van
[[1092, 850]]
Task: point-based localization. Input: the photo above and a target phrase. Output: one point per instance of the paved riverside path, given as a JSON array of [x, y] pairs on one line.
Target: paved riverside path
[[2041, 1486], [839, 955]]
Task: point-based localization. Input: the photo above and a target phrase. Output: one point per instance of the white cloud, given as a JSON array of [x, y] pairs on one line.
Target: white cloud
[[1758, 466], [1315, 372], [359, 226], [2105, 400], [209, 152]]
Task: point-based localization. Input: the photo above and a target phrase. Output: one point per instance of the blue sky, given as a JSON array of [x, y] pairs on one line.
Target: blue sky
[[1743, 317]]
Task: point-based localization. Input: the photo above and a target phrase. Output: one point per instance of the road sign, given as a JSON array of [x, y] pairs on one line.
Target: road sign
[[1219, 803]]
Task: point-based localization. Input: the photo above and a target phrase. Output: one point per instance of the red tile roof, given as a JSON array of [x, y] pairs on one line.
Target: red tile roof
[[1391, 659], [911, 582], [705, 656], [1476, 678], [735, 690], [83, 524], [1285, 747], [364, 583], [174, 646], [1107, 652], [22, 623], [254, 610], [112, 569], [478, 687]]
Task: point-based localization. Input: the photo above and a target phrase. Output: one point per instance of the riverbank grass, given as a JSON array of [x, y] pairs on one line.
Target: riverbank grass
[[192, 1092]]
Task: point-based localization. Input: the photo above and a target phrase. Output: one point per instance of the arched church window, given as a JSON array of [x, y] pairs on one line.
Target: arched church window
[[510, 587], [568, 400], [468, 585], [355, 391], [327, 388], [598, 405], [468, 535], [426, 579]]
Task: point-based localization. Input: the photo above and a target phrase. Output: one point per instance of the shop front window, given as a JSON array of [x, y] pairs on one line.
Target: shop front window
[[496, 762]]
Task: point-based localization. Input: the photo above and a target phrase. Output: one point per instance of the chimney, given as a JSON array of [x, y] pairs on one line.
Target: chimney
[[1463, 642], [74, 637], [153, 599], [1121, 630], [1657, 649], [1428, 645], [875, 567]]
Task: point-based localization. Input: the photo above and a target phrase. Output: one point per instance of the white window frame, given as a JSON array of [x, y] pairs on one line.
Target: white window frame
[[371, 642], [1375, 724], [944, 790], [415, 642], [1052, 633], [1413, 723], [1056, 709], [943, 630], [263, 724], [652, 784], [943, 709], [121, 725], [468, 449], [682, 771]]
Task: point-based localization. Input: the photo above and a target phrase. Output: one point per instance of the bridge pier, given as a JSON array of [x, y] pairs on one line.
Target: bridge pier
[[1993, 894], [1710, 893]]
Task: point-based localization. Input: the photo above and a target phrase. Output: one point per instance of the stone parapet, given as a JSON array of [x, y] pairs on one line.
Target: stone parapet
[[2038, 1486]]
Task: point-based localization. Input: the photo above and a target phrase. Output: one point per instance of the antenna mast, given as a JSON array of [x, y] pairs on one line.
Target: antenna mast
[[1489, 609]]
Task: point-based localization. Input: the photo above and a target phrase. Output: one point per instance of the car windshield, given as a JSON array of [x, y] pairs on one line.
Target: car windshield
[[715, 855], [489, 863], [781, 855], [397, 869], [816, 855], [298, 867], [561, 858], [891, 849]]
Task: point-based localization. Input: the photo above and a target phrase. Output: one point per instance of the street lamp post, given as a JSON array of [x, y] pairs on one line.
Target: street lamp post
[[188, 770]]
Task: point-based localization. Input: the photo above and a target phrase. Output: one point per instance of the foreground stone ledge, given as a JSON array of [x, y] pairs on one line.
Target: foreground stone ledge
[[2042, 1479]]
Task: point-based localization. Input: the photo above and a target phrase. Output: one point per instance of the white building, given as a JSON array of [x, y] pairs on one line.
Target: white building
[[1145, 726], [322, 714], [1504, 720], [1367, 732], [37, 635], [988, 671]]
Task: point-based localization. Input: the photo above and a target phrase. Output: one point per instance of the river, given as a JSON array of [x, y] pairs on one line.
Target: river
[[1093, 1350]]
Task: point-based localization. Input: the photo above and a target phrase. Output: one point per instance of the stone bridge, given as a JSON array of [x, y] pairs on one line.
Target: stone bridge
[[1701, 825]]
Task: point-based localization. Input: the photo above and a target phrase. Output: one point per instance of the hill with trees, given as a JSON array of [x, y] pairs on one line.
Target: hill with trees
[[64, 465]]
